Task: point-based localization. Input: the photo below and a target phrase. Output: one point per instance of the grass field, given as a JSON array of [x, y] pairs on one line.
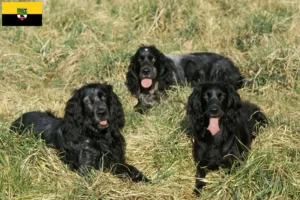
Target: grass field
[[91, 41]]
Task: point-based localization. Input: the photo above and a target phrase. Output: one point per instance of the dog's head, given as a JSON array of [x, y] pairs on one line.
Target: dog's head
[[95, 103], [145, 67], [95, 106], [147, 59], [210, 102]]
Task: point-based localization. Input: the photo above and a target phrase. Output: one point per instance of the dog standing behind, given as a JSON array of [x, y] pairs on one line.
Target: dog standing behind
[[151, 72], [89, 134], [222, 127]]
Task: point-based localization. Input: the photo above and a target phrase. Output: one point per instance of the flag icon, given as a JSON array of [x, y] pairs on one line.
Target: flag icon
[[22, 13]]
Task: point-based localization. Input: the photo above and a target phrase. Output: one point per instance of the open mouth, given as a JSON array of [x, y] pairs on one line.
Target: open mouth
[[213, 126], [103, 124], [146, 82]]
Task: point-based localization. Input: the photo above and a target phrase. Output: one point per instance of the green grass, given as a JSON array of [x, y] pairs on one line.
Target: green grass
[[91, 41]]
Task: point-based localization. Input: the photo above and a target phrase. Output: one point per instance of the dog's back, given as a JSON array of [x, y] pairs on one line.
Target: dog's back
[[206, 66], [253, 117], [44, 123]]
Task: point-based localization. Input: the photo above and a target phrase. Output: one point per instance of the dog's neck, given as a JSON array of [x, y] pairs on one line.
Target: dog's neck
[[93, 132]]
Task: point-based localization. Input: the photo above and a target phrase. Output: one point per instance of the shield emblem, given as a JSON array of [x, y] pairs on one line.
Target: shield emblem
[[22, 13]]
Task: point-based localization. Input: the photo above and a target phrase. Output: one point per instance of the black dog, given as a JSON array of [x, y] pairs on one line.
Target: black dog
[[89, 134], [151, 72], [222, 126]]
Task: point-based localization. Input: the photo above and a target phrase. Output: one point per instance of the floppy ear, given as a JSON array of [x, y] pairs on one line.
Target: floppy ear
[[234, 99], [132, 80], [115, 109], [194, 108], [166, 79], [72, 123]]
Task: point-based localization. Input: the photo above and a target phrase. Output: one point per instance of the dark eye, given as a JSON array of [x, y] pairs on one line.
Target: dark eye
[[222, 97], [103, 98], [88, 101], [153, 60], [205, 96], [141, 59]]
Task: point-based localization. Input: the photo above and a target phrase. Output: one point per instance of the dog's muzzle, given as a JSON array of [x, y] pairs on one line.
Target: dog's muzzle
[[214, 110]]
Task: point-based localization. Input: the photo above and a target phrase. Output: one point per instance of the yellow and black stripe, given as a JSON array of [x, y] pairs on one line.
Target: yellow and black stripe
[[22, 13]]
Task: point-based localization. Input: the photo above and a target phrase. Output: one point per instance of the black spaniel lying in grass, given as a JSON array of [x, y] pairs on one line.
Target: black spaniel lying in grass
[[222, 127], [89, 134], [151, 73]]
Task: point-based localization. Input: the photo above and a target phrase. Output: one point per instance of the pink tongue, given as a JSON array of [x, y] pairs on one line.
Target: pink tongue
[[213, 126], [103, 123], [146, 82]]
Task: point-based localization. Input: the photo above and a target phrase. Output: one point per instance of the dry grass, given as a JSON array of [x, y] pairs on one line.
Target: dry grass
[[91, 41]]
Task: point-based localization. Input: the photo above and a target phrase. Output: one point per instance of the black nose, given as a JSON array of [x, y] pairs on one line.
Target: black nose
[[146, 71], [214, 110], [101, 111]]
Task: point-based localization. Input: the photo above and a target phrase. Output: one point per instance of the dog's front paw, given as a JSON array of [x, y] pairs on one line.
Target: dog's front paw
[[140, 108], [157, 95], [198, 187], [141, 178], [83, 170], [146, 180], [197, 192]]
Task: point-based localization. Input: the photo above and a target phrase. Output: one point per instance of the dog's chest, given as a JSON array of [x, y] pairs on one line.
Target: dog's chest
[[104, 145], [219, 150], [213, 152], [106, 148]]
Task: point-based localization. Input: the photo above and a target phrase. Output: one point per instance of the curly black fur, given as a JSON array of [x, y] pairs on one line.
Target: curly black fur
[[237, 121], [89, 134], [167, 70]]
